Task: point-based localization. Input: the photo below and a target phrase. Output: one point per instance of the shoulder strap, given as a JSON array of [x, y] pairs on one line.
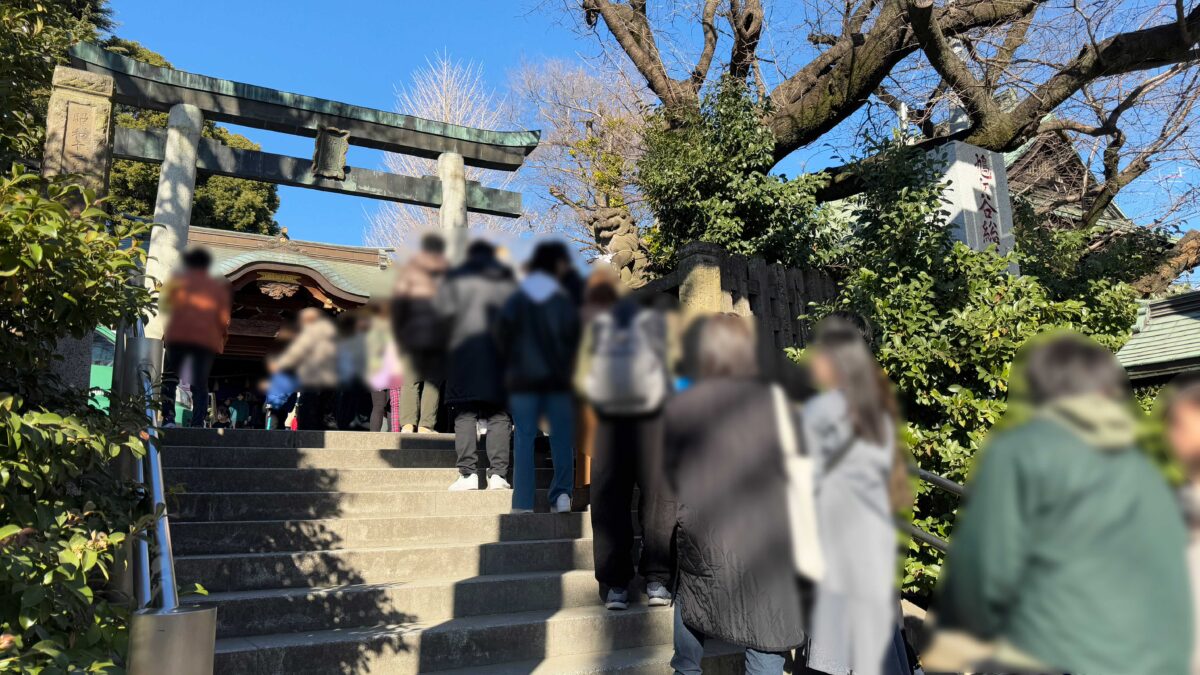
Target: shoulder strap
[[838, 455], [784, 421]]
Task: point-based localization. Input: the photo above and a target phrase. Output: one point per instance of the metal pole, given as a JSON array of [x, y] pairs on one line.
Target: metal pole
[[145, 593], [162, 529]]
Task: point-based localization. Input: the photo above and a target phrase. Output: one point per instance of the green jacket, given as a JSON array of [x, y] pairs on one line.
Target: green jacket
[[1071, 548]]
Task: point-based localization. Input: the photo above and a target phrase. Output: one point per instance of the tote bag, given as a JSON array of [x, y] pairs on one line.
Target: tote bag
[[807, 557]]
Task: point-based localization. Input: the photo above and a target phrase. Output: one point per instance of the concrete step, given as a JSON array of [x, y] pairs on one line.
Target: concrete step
[[292, 610], [225, 506], [407, 457], [472, 642], [208, 479], [720, 658], [243, 479], [260, 536], [314, 569], [343, 440]]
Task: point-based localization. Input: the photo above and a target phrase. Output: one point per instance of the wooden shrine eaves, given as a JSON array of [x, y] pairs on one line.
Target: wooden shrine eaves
[[213, 157], [142, 85]]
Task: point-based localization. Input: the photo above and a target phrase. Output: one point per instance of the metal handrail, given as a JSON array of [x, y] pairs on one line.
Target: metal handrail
[[150, 466], [942, 483]]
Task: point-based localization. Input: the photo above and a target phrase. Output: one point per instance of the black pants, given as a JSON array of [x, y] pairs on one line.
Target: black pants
[[379, 404], [628, 451], [499, 438], [199, 361], [314, 405], [353, 401]]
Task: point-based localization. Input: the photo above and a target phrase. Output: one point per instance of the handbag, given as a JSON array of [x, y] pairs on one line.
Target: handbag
[[807, 556]]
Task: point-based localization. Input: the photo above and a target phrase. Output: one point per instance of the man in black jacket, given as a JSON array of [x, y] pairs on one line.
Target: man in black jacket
[[538, 333], [470, 299]]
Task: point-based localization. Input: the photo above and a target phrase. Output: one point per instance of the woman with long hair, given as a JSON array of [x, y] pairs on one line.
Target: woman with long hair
[[850, 430]]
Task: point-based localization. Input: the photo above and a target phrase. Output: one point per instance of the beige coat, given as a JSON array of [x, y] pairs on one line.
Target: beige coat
[[313, 356]]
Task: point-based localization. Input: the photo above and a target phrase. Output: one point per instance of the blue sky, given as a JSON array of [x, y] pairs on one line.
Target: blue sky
[[359, 52], [356, 52]]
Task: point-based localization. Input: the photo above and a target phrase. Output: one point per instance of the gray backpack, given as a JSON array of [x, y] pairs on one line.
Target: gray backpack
[[628, 374]]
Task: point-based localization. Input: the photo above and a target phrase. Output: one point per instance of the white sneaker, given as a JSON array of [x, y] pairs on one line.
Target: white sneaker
[[465, 482], [562, 504], [520, 511], [497, 482]]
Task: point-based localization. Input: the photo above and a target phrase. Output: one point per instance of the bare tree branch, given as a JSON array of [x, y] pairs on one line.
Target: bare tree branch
[[746, 20], [981, 105], [1183, 257], [631, 28], [708, 23], [1013, 39]]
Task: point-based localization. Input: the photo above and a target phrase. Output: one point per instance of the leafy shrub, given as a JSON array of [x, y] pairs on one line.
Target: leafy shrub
[[66, 513]]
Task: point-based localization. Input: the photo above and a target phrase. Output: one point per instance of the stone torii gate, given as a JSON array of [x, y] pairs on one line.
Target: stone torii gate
[[81, 139]]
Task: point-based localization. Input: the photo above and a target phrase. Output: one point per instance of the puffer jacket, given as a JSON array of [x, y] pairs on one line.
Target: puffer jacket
[[723, 460], [470, 300], [538, 333], [415, 321]]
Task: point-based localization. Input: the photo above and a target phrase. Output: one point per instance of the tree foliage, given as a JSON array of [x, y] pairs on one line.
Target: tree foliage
[[219, 202], [65, 511], [36, 36], [948, 320], [705, 177]]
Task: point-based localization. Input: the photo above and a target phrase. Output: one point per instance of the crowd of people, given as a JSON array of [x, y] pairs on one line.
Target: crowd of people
[[767, 490]]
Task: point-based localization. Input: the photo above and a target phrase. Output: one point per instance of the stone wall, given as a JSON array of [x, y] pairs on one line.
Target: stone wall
[[709, 279]]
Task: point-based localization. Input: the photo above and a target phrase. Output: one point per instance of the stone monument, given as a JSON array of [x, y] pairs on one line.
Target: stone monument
[[78, 142], [977, 196]]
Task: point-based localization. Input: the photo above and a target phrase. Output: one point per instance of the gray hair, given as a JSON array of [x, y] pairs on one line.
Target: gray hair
[[726, 348]]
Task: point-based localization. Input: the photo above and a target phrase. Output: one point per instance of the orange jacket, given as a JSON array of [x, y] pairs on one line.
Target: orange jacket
[[199, 307]]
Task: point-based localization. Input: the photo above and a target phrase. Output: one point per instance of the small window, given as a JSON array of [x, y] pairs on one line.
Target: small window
[[103, 349]]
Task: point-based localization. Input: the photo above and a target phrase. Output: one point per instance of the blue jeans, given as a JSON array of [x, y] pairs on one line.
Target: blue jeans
[[559, 409], [689, 652]]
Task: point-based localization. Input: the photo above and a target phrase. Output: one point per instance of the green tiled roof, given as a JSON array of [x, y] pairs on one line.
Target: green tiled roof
[[1166, 338], [356, 278]]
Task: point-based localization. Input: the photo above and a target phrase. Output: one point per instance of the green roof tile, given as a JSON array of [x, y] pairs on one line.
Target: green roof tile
[[1167, 335]]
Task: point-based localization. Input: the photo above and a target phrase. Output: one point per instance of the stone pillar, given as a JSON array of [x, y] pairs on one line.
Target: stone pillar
[[700, 290], [977, 197], [173, 205], [79, 127], [79, 142], [452, 215]]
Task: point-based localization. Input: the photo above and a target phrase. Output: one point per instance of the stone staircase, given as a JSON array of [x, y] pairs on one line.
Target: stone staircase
[[343, 552]]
